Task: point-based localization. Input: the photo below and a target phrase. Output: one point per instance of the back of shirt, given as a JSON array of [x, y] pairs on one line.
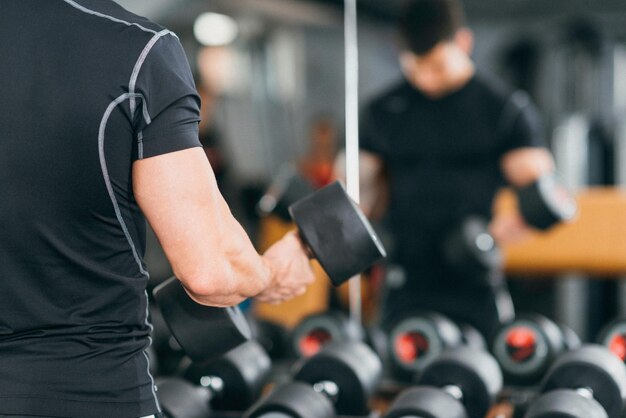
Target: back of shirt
[[87, 89]]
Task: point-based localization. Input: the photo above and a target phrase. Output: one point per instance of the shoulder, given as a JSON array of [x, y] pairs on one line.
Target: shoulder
[[114, 15]]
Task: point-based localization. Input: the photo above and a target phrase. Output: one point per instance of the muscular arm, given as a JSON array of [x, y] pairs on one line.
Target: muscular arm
[[209, 251]]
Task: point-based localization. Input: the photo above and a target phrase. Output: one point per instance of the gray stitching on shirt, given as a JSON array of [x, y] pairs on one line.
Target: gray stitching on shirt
[[140, 145], [111, 18], [146, 354], [107, 179], [142, 58]]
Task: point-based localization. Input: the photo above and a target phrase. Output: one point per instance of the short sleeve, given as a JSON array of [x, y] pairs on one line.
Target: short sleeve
[[521, 124], [169, 120]]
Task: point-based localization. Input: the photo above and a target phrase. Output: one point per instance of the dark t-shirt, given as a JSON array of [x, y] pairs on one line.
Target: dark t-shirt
[[443, 157], [87, 89]]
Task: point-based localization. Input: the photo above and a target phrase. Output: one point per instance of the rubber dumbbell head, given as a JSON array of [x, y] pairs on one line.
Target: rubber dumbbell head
[[337, 233], [348, 372], [526, 347], [418, 339], [180, 399], [470, 249], [470, 376], [274, 337], [235, 380], [591, 372], [546, 202], [204, 332], [317, 330], [613, 336], [293, 400]]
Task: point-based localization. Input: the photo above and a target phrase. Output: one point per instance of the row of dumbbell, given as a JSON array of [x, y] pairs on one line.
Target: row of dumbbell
[[524, 347], [463, 382]]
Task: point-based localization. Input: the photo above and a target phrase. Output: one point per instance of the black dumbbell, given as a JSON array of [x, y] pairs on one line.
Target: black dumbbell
[[546, 202], [526, 346], [460, 383], [336, 233], [586, 383], [470, 249], [288, 187], [339, 380], [319, 329], [613, 336], [274, 337], [420, 337], [231, 383]]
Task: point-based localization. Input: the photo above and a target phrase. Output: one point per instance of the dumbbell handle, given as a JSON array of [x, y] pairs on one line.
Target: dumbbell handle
[[328, 389], [454, 391], [214, 384], [585, 392]]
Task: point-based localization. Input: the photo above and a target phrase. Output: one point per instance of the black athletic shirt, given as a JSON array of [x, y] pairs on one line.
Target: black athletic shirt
[[442, 156], [86, 89]]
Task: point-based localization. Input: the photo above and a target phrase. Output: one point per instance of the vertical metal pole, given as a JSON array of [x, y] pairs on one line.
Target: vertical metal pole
[[352, 130], [619, 106], [571, 151]]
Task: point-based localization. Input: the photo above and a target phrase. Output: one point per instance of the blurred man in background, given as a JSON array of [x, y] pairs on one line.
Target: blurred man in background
[[436, 148]]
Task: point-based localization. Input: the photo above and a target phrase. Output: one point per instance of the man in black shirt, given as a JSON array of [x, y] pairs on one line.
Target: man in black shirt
[[99, 127], [444, 140]]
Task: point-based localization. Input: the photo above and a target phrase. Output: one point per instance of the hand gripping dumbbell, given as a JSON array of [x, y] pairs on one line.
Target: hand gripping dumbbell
[[335, 232], [546, 202], [586, 383], [422, 336], [613, 336], [462, 382], [526, 346], [233, 382], [339, 380]]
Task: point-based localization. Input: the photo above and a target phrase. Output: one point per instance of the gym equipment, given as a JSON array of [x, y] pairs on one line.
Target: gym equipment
[[613, 336], [470, 249], [317, 330], [335, 231], [460, 383], [339, 380], [273, 337], [233, 383], [526, 346], [235, 380], [180, 399], [418, 339], [586, 383], [546, 202], [287, 188]]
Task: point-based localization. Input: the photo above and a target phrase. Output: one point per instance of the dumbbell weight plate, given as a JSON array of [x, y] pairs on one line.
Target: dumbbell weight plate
[[352, 366], [180, 399], [526, 347], [471, 337], [337, 233], [593, 367], [243, 371], [293, 400], [546, 202], [203, 332], [613, 336], [565, 404], [474, 371], [418, 339], [425, 402], [470, 249], [317, 330]]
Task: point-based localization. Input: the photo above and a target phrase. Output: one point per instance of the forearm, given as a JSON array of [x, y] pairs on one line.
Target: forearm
[[207, 248]]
